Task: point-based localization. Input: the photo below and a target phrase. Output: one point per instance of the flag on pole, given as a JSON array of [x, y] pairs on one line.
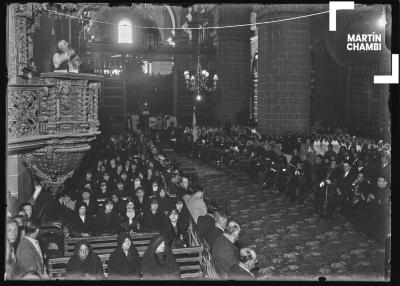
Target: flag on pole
[[194, 128]]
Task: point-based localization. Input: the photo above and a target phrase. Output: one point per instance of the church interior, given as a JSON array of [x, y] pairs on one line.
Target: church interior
[[198, 142]]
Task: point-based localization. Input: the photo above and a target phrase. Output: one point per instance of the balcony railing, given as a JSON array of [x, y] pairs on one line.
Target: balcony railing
[[52, 121], [58, 105]]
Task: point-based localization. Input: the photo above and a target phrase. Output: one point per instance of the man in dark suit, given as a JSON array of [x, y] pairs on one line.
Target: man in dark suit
[[29, 254], [341, 196], [57, 210], [172, 186], [219, 227], [242, 270], [224, 252], [318, 174], [205, 223]]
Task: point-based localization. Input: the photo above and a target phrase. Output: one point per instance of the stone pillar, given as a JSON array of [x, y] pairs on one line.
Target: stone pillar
[[184, 99], [284, 67], [233, 62], [19, 180], [11, 44], [175, 89]]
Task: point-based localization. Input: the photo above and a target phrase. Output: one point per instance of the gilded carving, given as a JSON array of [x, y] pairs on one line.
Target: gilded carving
[[67, 106], [22, 112], [55, 162]]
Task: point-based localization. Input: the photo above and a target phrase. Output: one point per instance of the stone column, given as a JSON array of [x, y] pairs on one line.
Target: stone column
[[233, 62], [11, 42], [284, 67], [175, 89], [19, 181]]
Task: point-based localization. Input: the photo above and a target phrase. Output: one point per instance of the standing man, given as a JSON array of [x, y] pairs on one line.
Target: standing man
[[318, 175], [29, 254], [205, 223]]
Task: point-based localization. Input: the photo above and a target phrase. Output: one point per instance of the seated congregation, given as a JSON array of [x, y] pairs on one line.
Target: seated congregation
[[342, 174], [127, 213]]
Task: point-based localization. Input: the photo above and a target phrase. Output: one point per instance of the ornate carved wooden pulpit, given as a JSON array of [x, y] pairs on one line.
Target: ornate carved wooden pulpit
[[52, 123]]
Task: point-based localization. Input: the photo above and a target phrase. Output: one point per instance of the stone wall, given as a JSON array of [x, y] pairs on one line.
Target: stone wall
[[347, 94], [233, 62], [284, 70]]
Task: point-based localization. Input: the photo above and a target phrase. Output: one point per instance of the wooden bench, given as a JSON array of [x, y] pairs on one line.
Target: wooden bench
[[189, 261], [107, 244]]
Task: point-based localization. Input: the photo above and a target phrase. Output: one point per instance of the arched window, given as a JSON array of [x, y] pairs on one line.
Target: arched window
[[124, 32]]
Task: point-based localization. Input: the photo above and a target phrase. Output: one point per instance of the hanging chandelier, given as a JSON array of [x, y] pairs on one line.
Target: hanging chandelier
[[201, 81]]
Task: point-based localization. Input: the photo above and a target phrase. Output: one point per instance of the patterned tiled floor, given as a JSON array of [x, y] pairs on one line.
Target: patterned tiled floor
[[290, 241]]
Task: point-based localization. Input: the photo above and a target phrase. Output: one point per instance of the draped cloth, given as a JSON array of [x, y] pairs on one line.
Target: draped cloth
[[124, 266], [159, 266], [89, 269]]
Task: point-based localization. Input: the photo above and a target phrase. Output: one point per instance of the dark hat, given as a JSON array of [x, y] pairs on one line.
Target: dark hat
[[153, 201], [83, 190]]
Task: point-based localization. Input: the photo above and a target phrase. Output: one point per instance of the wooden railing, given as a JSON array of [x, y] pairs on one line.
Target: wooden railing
[[51, 122], [207, 264]]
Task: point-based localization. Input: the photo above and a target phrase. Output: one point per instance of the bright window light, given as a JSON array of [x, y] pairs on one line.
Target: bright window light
[[124, 32]]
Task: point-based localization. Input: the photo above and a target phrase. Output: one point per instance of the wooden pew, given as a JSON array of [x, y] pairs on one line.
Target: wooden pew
[[107, 244], [189, 261]]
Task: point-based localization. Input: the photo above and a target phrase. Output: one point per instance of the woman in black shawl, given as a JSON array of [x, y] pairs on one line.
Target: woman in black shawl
[[153, 218], [141, 203], [107, 220], [172, 231], [130, 222], [81, 222], [165, 203], [158, 262], [84, 264], [124, 263]]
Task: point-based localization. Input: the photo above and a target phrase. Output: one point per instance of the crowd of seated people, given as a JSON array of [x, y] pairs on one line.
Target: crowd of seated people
[[122, 188], [338, 171]]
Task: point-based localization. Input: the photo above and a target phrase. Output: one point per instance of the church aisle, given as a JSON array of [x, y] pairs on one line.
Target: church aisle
[[290, 241]]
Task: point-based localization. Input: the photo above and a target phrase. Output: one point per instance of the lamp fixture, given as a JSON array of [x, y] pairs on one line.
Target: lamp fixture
[[201, 81]]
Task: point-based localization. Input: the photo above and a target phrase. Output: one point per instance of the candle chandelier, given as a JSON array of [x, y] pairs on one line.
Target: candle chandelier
[[201, 81]]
